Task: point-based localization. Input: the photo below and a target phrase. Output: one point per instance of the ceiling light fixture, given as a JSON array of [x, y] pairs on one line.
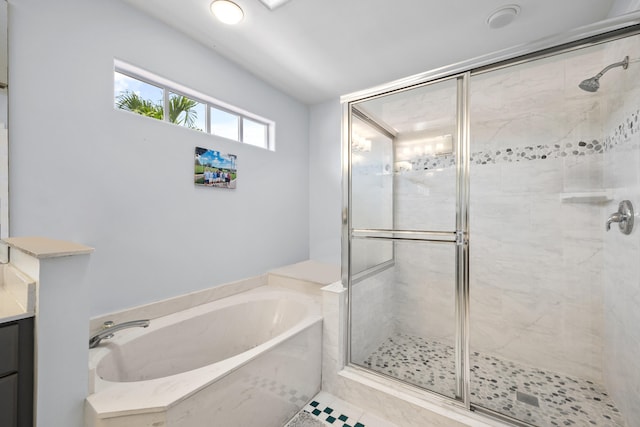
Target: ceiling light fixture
[[227, 11], [503, 16], [272, 4]]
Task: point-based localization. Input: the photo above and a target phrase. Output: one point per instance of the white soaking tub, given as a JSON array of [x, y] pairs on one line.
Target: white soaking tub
[[252, 359]]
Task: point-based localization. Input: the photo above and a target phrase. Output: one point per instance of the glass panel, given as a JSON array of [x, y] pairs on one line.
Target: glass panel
[[541, 296], [137, 96], [225, 124], [371, 177], [186, 112], [254, 133], [424, 122], [403, 317], [368, 254]]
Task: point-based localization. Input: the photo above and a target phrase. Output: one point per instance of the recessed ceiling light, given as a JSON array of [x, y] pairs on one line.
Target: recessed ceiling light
[[227, 11], [503, 16]]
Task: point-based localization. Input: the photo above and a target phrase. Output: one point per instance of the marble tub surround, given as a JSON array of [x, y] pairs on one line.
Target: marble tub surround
[[334, 330], [179, 303], [249, 371], [17, 294], [307, 276]]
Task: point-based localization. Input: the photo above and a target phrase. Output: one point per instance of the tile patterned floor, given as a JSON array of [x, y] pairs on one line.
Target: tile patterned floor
[[332, 411], [536, 396]]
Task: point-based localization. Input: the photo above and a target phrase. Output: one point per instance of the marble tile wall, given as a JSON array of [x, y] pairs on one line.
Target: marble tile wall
[[535, 262], [372, 319], [621, 252], [535, 267], [424, 291]]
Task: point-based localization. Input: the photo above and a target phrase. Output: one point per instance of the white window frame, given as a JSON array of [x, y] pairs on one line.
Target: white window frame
[[171, 87]]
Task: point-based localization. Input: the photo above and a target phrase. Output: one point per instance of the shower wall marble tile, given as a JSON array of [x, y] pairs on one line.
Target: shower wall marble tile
[[621, 252], [424, 291], [535, 264], [372, 321]]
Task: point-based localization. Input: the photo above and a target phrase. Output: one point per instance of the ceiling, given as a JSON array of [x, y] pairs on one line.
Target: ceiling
[[315, 50]]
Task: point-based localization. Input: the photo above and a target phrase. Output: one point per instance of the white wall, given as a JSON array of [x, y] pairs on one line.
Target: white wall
[[82, 171], [325, 182]]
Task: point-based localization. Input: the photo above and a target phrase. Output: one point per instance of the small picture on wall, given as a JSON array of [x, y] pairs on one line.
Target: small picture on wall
[[214, 169]]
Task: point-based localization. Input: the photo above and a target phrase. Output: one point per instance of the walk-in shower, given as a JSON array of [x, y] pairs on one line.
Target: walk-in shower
[[478, 263]]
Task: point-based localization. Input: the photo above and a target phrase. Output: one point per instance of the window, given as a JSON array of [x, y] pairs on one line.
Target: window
[[143, 93], [254, 133], [187, 112], [137, 96], [225, 124]]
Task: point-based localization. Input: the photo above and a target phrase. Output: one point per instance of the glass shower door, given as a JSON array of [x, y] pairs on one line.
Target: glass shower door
[[539, 200], [402, 237]]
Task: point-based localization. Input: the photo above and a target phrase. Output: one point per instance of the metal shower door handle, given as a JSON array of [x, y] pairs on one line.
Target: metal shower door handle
[[624, 217]]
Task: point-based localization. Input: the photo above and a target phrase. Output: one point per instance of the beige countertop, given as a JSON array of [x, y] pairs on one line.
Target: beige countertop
[[42, 247]]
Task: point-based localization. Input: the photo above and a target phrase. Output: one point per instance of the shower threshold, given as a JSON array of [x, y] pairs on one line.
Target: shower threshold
[[532, 395]]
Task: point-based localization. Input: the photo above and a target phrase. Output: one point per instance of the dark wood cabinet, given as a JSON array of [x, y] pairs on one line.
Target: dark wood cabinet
[[16, 373]]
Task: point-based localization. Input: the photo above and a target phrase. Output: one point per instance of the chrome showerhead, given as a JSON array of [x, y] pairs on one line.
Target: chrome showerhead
[[590, 85], [593, 84]]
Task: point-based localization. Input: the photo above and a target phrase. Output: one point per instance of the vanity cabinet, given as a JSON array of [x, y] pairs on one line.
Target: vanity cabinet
[[16, 373]]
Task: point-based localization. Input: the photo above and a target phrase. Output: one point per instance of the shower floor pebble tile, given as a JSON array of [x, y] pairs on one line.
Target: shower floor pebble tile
[[332, 411], [538, 397]]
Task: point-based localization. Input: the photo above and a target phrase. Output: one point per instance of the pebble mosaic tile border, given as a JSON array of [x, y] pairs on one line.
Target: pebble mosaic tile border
[[620, 137], [536, 396]]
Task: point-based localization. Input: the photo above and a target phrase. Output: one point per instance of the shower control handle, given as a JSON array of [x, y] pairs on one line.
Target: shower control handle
[[624, 217]]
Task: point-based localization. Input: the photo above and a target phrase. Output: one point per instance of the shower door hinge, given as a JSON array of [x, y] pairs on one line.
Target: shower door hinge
[[460, 238]]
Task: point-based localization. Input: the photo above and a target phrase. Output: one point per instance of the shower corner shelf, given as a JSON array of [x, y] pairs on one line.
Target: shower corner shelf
[[599, 196]]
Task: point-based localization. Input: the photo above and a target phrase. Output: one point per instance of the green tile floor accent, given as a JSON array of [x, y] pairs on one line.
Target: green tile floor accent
[[320, 411], [334, 412]]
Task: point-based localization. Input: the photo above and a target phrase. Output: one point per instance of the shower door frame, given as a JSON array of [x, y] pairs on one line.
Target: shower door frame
[[457, 237], [602, 32]]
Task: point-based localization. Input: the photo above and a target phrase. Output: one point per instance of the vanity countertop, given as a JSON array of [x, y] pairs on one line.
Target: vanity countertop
[[17, 294], [42, 247]]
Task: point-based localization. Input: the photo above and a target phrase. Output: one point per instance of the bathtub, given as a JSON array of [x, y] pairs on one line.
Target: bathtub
[[252, 359]]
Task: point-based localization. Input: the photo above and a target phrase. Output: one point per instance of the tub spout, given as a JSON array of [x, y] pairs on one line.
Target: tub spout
[[108, 329]]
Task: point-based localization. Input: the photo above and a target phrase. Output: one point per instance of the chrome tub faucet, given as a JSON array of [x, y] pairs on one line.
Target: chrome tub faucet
[[109, 328]]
